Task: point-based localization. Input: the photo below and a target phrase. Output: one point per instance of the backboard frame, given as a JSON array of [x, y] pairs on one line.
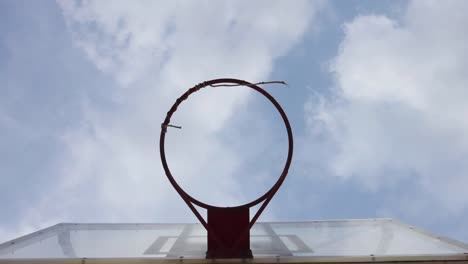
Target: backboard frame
[[56, 229]]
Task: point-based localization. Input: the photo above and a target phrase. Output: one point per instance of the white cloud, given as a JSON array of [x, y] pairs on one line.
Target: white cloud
[[398, 110], [155, 50], [132, 41]]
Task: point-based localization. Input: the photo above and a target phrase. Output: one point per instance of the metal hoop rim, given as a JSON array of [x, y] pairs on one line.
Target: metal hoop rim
[[173, 109]]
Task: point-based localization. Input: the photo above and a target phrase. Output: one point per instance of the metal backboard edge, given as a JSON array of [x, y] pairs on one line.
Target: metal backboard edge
[[441, 259], [31, 238], [122, 226], [427, 233], [131, 226], [357, 221]]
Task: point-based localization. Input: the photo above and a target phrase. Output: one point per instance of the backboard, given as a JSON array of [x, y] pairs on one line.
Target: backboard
[[372, 240]]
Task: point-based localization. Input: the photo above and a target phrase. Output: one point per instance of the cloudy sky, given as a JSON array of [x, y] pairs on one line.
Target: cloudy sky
[[377, 98]]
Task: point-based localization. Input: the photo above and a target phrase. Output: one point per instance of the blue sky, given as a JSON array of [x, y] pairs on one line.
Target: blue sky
[[377, 99]]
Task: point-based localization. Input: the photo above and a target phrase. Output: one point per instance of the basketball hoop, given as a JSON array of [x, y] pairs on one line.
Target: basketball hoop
[[228, 227]]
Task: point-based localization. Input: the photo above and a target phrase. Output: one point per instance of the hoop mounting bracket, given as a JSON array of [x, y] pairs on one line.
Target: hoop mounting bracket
[[228, 227]]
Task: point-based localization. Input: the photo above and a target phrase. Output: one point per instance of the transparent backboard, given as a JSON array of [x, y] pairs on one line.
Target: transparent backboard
[[368, 239]]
